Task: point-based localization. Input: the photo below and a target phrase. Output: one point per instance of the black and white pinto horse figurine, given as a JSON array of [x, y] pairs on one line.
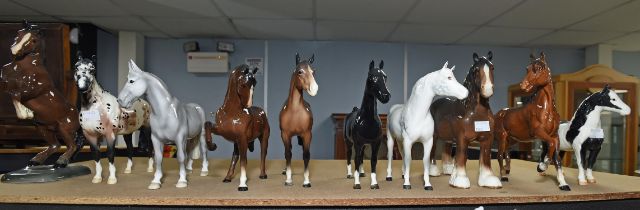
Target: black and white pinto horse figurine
[[363, 126], [101, 117], [584, 133]]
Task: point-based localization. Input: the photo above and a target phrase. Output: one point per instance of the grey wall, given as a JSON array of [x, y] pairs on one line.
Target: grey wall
[[340, 72], [107, 68], [627, 62]]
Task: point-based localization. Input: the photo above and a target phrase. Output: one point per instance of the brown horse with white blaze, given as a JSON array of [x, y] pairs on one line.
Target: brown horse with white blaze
[[296, 118]]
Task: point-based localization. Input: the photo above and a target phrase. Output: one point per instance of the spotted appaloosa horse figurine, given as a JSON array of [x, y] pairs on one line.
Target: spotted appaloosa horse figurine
[[538, 119], [583, 133], [464, 121], [296, 118], [363, 126], [412, 122], [238, 121], [35, 97], [171, 122], [101, 117]]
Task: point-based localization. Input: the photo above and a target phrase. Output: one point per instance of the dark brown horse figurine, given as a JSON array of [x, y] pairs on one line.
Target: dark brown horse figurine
[[35, 97], [238, 121], [466, 120], [537, 119], [296, 118]]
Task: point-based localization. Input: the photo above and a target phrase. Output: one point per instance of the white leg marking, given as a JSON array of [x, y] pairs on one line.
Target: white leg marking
[[127, 170], [389, 153], [243, 177], [150, 165], [374, 179], [349, 170], [590, 177], [433, 169], [289, 180], [306, 177], [487, 179], [97, 178], [459, 178], [448, 168], [112, 174], [357, 177]]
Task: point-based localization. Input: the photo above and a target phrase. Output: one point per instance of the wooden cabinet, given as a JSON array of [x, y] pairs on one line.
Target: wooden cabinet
[[340, 152], [57, 59]]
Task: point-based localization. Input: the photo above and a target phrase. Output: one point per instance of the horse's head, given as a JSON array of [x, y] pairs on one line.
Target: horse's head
[[377, 82], [444, 83], [304, 75], [27, 41], [538, 74], [608, 99], [135, 87], [244, 81], [85, 73], [481, 74]]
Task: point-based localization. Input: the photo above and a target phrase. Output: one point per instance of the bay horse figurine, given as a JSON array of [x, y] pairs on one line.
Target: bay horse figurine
[[34, 97], [171, 122], [363, 126], [413, 122], [296, 118], [584, 134], [238, 121], [101, 117], [466, 120], [538, 119]]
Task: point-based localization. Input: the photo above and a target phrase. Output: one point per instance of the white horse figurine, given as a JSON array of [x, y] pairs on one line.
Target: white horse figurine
[[412, 122], [102, 117], [583, 133], [171, 122]]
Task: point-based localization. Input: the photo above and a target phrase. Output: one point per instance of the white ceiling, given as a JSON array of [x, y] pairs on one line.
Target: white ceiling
[[572, 23]]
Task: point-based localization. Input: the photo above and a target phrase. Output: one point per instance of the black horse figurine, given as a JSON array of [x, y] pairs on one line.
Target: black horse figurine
[[363, 126]]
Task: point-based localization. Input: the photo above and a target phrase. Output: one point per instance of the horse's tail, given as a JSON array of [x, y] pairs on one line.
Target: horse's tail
[[79, 139], [208, 131]]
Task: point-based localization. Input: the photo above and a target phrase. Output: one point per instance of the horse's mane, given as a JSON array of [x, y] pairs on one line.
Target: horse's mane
[[580, 116], [468, 83]]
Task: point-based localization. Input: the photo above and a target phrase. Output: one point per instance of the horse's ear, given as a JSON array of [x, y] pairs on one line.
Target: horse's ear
[[454, 67], [313, 58], [542, 57], [381, 66], [475, 57], [245, 69], [133, 68], [94, 58], [297, 58], [25, 24], [490, 55], [445, 64], [372, 65], [531, 57], [606, 88], [255, 70]]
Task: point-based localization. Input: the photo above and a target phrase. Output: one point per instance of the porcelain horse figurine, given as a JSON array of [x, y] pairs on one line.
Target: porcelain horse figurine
[[464, 121], [413, 122], [583, 133], [238, 121], [171, 122], [35, 97], [362, 126], [101, 117], [538, 119], [296, 118]]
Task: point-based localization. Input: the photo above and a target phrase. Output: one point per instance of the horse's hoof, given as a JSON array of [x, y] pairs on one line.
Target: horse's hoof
[[430, 188], [504, 179], [127, 171], [243, 189], [537, 169], [284, 172], [307, 185], [389, 179], [112, 180], [582, 182], [356, 186], [402, 176], [349, 176], [149, 170], [363, 175], [490, 181], [406, 187], [189, 171], [288, 183], [565, 188], [226, 180], [212, 146], [154, 186], [263, 176], [96, 180], [61, 163], [375, 187], [591, 181], [33, 163], [181, 184], [204, 173]]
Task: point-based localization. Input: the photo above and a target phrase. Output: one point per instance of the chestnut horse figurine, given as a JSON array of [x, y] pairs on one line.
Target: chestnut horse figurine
[[464, 121], [171, 122], [35, 97], [584, 134], [538, 119], [238, 121], [412, 122], [296, 118], [362, 126], [101, 117]]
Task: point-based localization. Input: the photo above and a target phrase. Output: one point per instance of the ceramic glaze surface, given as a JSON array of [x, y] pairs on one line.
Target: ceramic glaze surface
[[296, 118], [240, 122], [413, 122], [28, 83], [456, 121], [363, 126], [537, 119], [171, 122]]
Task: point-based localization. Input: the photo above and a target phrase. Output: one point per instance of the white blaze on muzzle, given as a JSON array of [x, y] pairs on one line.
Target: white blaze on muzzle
[[250, 97], [17, 47], [313, 88], [487, 86]]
